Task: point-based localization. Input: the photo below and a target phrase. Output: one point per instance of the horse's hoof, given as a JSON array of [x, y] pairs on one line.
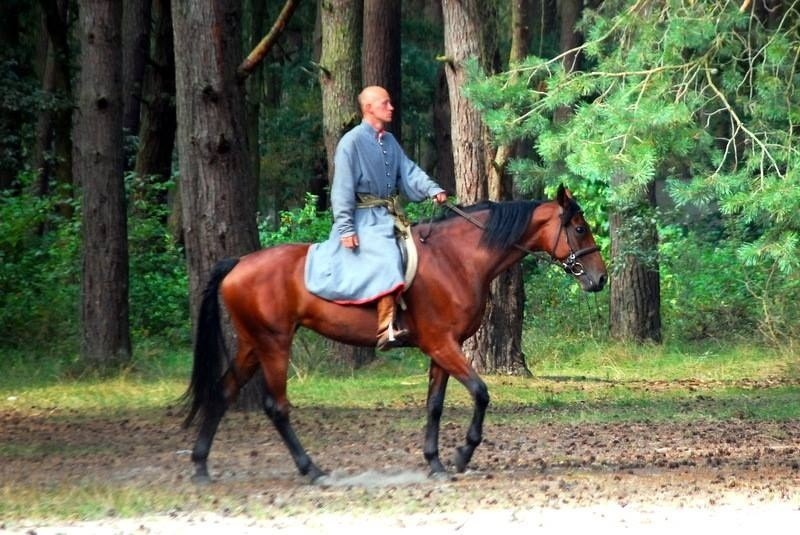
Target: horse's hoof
[[463, 456], [318, 477], [440, 476], [201, 479], [323, 480]]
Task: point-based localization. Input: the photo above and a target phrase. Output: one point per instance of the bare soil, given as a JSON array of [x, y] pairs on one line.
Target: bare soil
[[551, 475]]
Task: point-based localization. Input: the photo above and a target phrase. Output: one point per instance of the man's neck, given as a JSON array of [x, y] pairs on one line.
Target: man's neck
[[375, 123]]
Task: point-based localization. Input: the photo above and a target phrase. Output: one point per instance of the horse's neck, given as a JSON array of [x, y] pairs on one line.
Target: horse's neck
[[461, 246]]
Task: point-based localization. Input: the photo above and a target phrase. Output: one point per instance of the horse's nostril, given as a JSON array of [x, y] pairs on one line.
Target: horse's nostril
[[602, 282]]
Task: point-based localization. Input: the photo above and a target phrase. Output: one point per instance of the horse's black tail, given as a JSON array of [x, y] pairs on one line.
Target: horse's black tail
[[205, 392]]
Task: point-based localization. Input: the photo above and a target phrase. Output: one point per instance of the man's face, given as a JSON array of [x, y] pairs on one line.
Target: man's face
[[381, 107]]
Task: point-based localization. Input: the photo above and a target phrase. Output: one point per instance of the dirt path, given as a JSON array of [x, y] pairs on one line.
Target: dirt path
[[742, 476]]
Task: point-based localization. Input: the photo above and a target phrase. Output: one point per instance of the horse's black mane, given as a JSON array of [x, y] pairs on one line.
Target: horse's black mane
[[506, 224], [507, 220]]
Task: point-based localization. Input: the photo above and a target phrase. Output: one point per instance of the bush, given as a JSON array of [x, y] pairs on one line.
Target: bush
[[159, 284], [39, 270], [708, 292], [298, 225]]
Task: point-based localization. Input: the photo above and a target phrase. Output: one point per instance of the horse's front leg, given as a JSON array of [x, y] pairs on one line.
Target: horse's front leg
[[480, 395], [450, 360], [437, 385]]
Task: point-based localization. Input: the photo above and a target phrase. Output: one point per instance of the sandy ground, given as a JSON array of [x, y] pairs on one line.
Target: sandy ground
[[736, 476]]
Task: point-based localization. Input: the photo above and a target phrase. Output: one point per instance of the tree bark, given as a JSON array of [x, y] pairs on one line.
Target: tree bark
[[99, 162], [158, 116], [496, 346], [340, 79], [462, 42], [443, 141], [57, 136], [569, 12], [255, 77], [635, 307], [135, 40], [380, 55], [216, 179]]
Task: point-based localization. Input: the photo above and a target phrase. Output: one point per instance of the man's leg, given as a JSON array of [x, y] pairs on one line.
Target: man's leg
[[389, 335]]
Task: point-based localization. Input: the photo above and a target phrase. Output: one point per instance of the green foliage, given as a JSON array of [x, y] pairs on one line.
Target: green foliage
[[39, 270], [292, 152], [704, 294], [298, 225], [696, 93], [158, 290], [40, 267]]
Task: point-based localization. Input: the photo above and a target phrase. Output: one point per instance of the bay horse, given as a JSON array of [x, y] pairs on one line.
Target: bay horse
[[265, 295]]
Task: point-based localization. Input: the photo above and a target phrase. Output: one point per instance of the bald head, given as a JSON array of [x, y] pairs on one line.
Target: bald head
[[376, 106], [370, 95]]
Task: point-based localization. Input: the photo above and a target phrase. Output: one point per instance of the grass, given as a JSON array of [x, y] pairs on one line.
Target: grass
[[570, 375], [573, 382]]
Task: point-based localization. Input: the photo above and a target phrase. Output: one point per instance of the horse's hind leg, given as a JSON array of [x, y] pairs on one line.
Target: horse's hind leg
[[276, 405], [238, 373]]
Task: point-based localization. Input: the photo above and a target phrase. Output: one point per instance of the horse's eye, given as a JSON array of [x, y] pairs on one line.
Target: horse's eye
[[580, 229]]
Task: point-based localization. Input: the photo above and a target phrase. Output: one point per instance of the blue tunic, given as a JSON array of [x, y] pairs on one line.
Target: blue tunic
[[365, 162]]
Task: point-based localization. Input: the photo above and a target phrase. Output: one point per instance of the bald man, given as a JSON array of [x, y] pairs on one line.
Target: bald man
[[360, 262]]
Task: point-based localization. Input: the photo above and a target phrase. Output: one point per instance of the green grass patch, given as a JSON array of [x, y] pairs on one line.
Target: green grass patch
[[572, 383]]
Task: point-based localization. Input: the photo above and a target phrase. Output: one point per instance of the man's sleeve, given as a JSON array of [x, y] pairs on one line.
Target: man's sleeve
[[415, 183], [343, 197]]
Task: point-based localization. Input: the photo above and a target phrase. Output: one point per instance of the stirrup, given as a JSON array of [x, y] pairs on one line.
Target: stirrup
[[391, 337]]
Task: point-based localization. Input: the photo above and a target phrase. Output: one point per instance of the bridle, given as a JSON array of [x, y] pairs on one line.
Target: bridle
[[571, 264]]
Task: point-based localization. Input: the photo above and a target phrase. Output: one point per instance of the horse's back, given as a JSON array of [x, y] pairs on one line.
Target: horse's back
[[273, 275]]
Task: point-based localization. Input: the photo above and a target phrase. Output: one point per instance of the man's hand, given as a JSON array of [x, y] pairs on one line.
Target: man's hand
[[350, 242], [440, 198]]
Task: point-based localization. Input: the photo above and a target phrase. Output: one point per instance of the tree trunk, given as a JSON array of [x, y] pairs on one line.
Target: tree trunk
[[569, 12], [135, 40], [340, 79], [496, 346], [506, 307], [380, 55], [98, 161], [158, 120], [635, 308], [55, 131], [443, 142], [461, 42], [255, 84], [217, 189]]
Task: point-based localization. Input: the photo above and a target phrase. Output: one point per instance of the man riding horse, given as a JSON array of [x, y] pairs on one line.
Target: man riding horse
[[360, 262]]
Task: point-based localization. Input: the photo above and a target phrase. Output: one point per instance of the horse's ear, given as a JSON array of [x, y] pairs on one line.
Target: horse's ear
[[563, 196]]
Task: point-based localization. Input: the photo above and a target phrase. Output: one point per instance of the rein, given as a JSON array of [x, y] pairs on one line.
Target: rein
[[570, 264]]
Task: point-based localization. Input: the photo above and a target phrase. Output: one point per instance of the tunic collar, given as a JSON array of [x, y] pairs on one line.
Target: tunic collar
[[376, 134]]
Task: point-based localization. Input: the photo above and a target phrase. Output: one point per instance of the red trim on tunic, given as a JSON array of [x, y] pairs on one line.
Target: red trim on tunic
[[397, 288]]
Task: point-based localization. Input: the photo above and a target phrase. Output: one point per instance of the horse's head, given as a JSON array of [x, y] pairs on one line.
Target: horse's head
[[572, 243]]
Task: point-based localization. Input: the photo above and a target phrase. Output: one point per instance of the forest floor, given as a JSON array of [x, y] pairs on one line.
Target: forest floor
[[731, 476]]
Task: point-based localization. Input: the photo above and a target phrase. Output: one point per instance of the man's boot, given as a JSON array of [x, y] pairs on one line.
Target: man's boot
[[389, 335]]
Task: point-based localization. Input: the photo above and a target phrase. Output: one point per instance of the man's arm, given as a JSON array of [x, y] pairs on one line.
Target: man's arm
[[343, 195]]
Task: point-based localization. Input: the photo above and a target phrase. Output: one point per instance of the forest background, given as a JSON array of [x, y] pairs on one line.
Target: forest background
[[137, 147]]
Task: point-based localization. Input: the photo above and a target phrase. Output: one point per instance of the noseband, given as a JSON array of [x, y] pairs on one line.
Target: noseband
[[570, 264]]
